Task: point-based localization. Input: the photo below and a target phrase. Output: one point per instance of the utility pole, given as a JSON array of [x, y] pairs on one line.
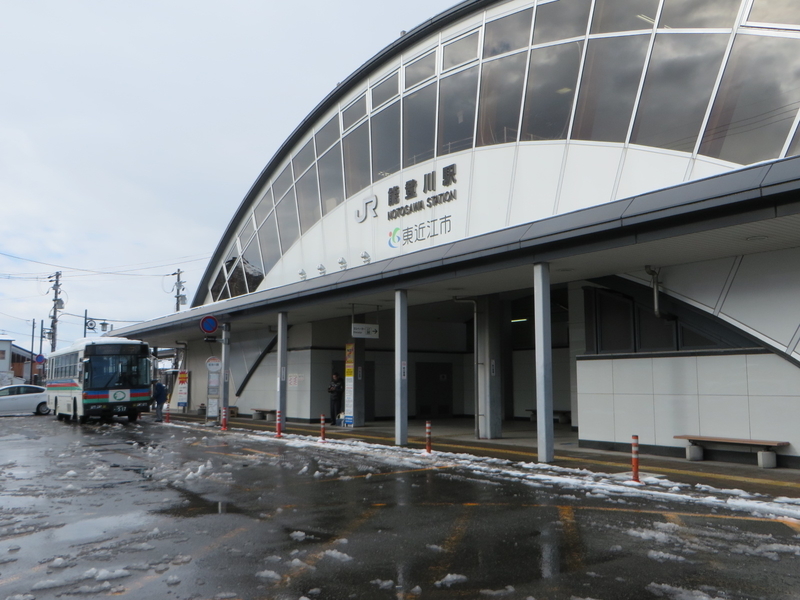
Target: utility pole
[[57, 305], [179, 298], [33, 338]]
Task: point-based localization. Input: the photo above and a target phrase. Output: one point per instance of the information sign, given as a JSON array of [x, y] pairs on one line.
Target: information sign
[[365, 330], [182, 389], [214, 364], [349, 372]]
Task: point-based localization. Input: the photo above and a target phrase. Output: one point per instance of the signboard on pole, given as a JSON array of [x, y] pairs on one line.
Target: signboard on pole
[[214, 364], [182, 389], [349, 377], [365, 330]]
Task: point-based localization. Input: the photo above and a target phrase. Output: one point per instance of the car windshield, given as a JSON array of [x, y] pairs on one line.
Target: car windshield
[[116, 372]]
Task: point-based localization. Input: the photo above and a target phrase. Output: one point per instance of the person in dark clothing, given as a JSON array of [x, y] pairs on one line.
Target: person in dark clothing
[[159, 397], [335, 390]]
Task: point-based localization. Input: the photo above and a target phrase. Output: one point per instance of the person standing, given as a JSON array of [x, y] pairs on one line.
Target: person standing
[[159, 397], [335, 391]]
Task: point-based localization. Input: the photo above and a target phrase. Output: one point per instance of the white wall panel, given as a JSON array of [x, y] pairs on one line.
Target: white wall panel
[[634, 415], [704, 167], [675, 415], [646, 170], [589, 176], [676, 375], [699, 283], [776, 418], [722, 375], [723, 406], [770, 375], [725, 416], [536, 182], [336, 232], [595, 376], [490, 190], [596, 416], [774, 314], [633, 376]]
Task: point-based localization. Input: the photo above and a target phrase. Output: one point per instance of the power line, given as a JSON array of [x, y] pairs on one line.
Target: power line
[[126, 272]]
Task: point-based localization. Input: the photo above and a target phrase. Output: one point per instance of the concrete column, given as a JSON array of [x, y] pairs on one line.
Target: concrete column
[[283, 355], [490, 416], [359, 408], [400, 367], [577, 344], [544, 361], [226, 365]]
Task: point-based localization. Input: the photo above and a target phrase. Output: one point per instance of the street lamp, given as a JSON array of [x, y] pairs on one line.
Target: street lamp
[[90, 324]]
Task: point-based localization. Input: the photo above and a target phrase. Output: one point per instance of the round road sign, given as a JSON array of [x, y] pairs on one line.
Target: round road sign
[[209, 324], [39, 359], [213, 364]]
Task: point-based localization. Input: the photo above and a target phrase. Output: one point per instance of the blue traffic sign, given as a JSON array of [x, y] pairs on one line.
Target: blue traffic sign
[[209, 324], [39, 359]]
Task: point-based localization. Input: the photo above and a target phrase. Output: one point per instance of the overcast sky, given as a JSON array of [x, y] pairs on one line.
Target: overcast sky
[[131, 131]]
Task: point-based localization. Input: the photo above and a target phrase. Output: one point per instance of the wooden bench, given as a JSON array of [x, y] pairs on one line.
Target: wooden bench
[[766, 456], [562, 416], [264, 414]]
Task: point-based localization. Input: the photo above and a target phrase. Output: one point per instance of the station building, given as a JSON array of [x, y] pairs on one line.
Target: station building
[[581, 209]]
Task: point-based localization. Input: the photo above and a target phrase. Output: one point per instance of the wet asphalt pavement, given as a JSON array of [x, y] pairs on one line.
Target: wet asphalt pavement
[[187, 512]]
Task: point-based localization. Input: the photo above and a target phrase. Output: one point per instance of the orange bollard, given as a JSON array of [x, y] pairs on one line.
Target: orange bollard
[[428, 437], [224, 424], [635, 458], [322, 428], [278, 424]]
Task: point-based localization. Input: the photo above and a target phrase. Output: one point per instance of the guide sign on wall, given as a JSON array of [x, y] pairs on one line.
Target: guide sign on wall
[[182, 389], [349, 377]]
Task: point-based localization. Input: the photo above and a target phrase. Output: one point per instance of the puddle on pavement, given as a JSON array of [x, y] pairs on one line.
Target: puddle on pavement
[[194, 505]]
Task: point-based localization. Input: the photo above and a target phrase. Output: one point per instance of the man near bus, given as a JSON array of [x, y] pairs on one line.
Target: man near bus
[[159, 397]]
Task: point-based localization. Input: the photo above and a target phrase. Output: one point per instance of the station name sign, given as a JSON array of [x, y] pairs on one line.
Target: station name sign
[[429, 183]]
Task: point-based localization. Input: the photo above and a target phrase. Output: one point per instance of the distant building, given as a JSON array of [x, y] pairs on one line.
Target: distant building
[[635, 161], [15, 364]]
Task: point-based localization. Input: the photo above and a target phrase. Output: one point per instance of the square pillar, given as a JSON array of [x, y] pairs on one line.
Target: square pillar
[[401, 367], [283, 334], [490, 383], [544, 362]]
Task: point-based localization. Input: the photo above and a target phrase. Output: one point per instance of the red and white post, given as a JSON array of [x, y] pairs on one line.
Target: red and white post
[[278, 424], [322, 428], [635, 458], [428, 437], [166, 412], [224, 424]]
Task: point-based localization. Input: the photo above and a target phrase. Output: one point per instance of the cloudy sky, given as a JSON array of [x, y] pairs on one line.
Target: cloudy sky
[[131, 130]]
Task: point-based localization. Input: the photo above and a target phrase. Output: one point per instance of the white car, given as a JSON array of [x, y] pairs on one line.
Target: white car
[[23, 399]]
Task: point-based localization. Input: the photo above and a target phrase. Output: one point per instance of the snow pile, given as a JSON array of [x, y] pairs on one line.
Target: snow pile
[[340, 556], [450, 579]]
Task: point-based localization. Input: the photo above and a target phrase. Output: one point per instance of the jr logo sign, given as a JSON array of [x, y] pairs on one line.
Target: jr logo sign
[[363, 212]]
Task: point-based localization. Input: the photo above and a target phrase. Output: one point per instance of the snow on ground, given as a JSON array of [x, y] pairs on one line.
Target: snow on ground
[[606, 486]]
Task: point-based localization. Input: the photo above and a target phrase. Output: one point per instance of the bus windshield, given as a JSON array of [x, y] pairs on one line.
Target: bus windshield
[[110, 372]]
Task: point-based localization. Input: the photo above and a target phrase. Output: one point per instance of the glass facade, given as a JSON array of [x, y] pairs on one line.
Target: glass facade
[[711, 78]]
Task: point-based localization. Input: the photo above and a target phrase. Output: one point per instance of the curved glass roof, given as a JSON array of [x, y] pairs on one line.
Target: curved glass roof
[[714, 78]]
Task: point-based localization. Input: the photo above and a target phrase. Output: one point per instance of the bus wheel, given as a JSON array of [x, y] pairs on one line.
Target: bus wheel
[[133, 417], [83, 419]]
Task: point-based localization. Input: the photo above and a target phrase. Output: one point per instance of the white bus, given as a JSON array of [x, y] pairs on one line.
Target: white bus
[[99, 378]]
